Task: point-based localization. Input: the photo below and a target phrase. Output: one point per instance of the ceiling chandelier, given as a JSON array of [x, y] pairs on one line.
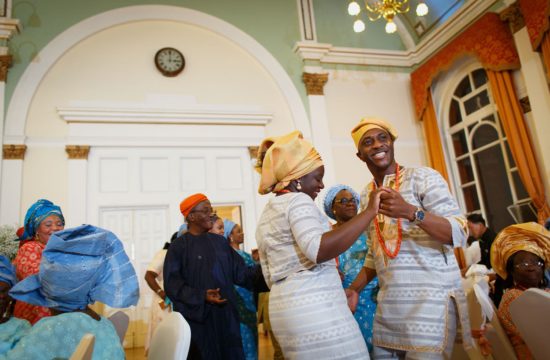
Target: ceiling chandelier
[[383, 8]]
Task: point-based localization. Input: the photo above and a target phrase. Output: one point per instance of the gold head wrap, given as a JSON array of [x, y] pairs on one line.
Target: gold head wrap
[[367, 124], [531, 237], [285, 158]]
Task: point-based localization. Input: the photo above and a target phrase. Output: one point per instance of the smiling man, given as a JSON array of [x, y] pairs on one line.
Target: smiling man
[[199, 272], [411, 244]]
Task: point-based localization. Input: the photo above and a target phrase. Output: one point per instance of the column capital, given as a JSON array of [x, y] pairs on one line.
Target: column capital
[[14, 152], [5, 62], [315, 83], [512, 15], [77, 152]]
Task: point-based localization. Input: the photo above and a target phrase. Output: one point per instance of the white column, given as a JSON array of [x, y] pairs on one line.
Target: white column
[[319, 121], [11, 185], [536, 84], [77, 184]]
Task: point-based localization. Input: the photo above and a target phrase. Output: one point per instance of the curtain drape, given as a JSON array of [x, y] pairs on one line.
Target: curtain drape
[[433, 139], [545, 50], [519, 140]]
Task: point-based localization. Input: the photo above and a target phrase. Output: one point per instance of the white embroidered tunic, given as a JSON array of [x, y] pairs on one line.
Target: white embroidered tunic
[[417, 285]]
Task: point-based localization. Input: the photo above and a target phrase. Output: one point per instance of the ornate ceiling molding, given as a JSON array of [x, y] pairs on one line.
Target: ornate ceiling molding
[[14, 152], [329, 54]]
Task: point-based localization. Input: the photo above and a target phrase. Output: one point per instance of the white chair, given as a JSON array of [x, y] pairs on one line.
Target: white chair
[[85, 348], [531, 314], [120, 321], [171, 339]]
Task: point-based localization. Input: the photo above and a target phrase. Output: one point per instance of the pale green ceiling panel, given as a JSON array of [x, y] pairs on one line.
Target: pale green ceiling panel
[[334, 26]]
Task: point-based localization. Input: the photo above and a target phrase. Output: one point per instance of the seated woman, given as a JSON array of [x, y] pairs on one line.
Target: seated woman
[[519, 254], [341, 203], [12, 329], [79, 266], [245, 298], [43, 218]]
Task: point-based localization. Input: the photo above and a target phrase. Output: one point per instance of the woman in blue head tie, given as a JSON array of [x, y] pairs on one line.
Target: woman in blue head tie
[[341, 203], [43, 218], [245, 298], [79, 266]]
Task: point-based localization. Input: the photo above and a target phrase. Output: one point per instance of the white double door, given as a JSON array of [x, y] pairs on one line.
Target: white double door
[[135, 193]]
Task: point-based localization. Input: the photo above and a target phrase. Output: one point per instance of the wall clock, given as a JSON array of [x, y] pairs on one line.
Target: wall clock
[[169, 61]]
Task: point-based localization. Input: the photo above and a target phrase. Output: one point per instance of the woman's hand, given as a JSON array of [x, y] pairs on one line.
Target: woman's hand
[[373, 207], [353, 299]]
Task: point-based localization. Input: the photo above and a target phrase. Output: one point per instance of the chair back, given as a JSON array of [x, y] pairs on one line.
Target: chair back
[[531, 314], [171, 339], [500, 344], [120, 321], [84, 349]]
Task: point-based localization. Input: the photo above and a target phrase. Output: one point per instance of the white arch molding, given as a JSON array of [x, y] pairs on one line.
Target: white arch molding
[[23, 94]]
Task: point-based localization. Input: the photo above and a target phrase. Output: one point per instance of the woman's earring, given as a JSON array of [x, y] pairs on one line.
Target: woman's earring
[[299, 185]]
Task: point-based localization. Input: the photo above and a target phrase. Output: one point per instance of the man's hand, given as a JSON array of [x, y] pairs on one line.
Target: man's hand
[[213, 297], [393, 205], [353, 299]]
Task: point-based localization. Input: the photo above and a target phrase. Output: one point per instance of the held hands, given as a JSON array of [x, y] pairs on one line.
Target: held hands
[[393, 205], [213, 297], [375, 198]]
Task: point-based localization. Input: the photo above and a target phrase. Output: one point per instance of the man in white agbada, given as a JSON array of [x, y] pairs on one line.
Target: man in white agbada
[[411, 240]]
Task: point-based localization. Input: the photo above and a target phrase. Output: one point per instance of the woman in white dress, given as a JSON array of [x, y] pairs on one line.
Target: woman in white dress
[[159, 306], [309, 314]]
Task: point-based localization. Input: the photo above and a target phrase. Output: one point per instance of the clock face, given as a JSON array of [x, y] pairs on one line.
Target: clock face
[[169, 61]]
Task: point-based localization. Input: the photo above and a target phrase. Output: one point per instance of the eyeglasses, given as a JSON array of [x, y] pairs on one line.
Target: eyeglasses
[[345, 201], [526, 264], [206, 211]]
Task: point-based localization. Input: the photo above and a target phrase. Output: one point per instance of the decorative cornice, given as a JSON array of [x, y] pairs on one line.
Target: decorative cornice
[[9, 27], [14, 152], [163, 116], [326, 53], [512, 15], [525, 104], [253, 151], [78, 152], [5, 62], [314, 83]]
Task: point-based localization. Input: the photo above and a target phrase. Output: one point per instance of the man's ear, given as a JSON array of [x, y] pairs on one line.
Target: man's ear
[[358, 154]]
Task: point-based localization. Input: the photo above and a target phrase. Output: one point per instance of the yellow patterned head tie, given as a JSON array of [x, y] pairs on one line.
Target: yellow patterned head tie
[[367, 124], [530, 237], [285, 158]]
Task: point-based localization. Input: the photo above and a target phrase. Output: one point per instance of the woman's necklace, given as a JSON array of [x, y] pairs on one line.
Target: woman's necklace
[[399, 229]]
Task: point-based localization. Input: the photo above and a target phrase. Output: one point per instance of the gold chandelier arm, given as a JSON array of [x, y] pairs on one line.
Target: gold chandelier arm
[[400, 9], [374, 13]]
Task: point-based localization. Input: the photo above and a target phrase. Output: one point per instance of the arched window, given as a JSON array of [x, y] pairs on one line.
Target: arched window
[[485, 175]]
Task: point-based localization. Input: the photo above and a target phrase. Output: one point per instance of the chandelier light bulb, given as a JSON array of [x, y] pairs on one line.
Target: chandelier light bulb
[[354, 8], [391, 27], [422, 9], [358, 26]]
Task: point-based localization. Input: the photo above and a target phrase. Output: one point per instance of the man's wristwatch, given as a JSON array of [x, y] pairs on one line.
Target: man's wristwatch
[[418, 216]]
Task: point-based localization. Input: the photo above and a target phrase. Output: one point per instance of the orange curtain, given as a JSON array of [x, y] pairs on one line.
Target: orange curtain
[[433, 139], [519, 140], [545, 47]]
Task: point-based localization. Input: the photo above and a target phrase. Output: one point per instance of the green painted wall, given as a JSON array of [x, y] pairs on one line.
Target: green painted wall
[[274, 24]]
